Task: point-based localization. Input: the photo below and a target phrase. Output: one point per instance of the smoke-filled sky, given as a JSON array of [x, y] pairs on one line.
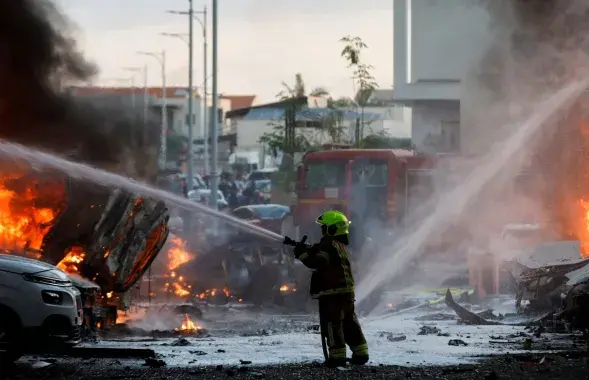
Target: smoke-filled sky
[[261, 42]]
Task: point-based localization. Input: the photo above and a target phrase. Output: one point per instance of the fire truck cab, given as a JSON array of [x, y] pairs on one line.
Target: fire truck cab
[[376, 188]]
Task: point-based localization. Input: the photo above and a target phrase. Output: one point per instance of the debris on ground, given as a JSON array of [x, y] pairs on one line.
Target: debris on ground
[[154, 363], [428, 330], [393, 337], [457, 342], [181, 342]]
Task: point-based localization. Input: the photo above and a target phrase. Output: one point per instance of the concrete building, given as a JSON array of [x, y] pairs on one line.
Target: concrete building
[[134, 99], [435, 44], [395, 118]]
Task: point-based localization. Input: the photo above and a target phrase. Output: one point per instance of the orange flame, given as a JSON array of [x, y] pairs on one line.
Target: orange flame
[[187, 325], [177, 254], [286, 288], [180, 291], [26, 214], [72, 259], [213, 292]]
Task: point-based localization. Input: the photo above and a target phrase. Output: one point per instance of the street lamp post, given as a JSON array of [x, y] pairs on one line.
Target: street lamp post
[[192, 15], [214, 111], [161, 58]]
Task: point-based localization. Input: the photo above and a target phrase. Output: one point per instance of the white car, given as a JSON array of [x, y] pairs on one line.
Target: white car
[[204, 196], [39, 307]]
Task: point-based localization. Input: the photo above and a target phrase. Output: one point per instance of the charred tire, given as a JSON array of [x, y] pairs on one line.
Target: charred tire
[[263, 284], [10, 351]]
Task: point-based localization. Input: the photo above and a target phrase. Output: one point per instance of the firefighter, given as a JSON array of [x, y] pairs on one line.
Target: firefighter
[[332, 284]]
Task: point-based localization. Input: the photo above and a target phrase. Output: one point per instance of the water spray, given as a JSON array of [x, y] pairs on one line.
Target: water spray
[[40, 160], [394, 259]]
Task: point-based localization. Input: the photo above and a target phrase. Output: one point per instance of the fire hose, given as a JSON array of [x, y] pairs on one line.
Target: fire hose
[[322, 323]]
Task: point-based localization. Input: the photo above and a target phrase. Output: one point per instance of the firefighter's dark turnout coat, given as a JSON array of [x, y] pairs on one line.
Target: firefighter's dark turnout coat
[[333, 284]]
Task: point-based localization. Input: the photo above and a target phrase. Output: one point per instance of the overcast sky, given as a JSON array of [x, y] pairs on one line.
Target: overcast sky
[[261, 42]]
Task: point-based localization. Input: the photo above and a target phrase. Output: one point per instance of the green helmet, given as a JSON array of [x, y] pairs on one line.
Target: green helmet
[[335, 221]]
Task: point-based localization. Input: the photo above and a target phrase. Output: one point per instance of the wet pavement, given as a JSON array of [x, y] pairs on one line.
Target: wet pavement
[[551, 366]]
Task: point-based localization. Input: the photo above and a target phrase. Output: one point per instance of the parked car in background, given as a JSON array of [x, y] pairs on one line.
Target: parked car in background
[[257, 175], [39, 307], [204, 196], [268, 216], [197, 182]]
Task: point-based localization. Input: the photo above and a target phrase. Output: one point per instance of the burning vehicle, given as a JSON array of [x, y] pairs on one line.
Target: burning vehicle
[[244, 269], [105, 235]]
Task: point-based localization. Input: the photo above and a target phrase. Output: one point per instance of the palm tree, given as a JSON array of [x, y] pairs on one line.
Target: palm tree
[[298, 90]]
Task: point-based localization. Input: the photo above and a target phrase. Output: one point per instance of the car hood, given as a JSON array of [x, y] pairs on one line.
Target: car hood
[[17, 264]]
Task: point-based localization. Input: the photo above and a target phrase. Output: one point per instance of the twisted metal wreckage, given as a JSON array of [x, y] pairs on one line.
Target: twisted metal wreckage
[[548, 288]]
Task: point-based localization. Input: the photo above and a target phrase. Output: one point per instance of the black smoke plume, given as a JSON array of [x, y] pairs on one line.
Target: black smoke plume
[[38, 60]]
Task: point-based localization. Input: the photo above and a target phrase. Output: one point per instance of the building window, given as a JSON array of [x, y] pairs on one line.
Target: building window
[[451, 136]]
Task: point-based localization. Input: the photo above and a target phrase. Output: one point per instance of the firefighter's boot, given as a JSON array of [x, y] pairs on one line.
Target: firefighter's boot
[[335, 362]]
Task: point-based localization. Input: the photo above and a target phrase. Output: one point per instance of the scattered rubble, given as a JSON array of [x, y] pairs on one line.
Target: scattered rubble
[[428, 330], [393, 337], [181, 342]]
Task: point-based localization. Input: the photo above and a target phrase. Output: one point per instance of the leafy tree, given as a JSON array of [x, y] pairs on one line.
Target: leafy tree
[[298, 90], [309, 137], [361, 74]]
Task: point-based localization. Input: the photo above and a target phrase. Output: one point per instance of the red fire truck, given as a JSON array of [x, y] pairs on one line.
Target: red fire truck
[[375, 187]]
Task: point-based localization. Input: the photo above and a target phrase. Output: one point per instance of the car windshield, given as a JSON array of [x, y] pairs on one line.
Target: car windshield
[[270, 212]]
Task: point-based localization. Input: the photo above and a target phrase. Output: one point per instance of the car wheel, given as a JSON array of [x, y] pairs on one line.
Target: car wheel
[[9, 351]]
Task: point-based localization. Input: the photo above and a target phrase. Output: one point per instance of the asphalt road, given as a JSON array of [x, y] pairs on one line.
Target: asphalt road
[[512, 367]]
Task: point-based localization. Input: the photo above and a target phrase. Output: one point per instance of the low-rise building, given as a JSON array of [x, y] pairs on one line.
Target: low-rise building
[[150, 101]]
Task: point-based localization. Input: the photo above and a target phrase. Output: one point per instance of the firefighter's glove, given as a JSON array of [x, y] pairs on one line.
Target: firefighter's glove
[[299, 249]]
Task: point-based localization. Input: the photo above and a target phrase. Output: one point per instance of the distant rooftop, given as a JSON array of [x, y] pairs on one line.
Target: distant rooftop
[[174, 92], [306, 114], [382, 97]]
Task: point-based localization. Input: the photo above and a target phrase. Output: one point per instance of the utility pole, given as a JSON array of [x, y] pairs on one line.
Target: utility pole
[[192, 16], [164, 131], [161, 58], [205, 109], [190, 168], [214, 111]]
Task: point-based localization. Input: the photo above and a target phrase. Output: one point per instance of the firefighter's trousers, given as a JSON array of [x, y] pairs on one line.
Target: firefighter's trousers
[[340, 324]]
